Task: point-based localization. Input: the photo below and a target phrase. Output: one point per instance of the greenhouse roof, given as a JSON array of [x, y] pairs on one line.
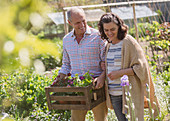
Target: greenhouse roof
[[91, 15], [127, 12], [95, 14]]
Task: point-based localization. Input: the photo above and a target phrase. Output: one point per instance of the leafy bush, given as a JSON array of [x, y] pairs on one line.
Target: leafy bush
[[22, 94], [50, 61], [156, 37]]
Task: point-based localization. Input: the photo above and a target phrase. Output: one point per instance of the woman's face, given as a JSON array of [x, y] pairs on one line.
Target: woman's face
[[111, 30]]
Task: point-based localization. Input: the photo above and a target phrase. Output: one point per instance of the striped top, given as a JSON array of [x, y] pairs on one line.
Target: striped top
[[113, 64], [85, 56]]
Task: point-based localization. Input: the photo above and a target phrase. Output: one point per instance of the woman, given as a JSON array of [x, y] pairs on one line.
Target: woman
[[124, 56]]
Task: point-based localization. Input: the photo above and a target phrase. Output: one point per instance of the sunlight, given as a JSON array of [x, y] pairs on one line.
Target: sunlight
[[36, 20], [39, 66], [24, 57], [20, 37], [9, 46]]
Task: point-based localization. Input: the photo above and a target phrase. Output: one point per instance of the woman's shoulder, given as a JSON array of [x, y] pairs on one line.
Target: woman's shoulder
[[130, 40]]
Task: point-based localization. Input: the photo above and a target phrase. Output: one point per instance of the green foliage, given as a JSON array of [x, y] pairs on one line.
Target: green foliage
[[21, 89], [76, 81], [50, 62], [156, 36], [22, 95], [42, 113], [162, 87], [159, 42], [18, 46], [83, 81], [141, 29]]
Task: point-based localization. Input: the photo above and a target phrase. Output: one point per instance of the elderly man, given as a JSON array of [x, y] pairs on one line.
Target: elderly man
[[83, 50]]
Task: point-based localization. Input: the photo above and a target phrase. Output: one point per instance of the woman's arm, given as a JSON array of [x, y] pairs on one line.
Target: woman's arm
[[119, 73]]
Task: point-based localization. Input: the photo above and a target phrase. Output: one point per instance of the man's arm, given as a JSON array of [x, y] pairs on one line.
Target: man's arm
[[66, 67]]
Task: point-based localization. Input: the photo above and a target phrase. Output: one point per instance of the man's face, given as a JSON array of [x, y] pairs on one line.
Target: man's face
[[78, 23]]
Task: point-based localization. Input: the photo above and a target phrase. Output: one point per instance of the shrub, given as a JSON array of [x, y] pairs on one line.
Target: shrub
[[22, 94]]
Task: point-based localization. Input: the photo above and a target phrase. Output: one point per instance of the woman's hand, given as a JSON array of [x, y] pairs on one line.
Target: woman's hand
[[119, 73], [114, 75]]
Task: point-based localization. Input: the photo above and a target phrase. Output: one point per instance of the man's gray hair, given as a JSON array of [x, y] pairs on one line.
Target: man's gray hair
[[74, 10]]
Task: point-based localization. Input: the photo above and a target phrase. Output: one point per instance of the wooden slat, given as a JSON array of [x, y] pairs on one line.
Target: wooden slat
[[68, 98], [67, 89], [48, 99], [69, 107], [88, 97]]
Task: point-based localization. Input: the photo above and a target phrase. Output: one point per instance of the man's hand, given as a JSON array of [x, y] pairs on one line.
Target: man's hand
[[61, 76], [102, 65], [99, 81], [58, 78]]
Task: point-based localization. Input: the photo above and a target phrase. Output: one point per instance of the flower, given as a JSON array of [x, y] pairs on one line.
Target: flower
[[83, 81], [68, 85], [76, 81], [124, 80], [147, 87], [81, 77], [130, 104]]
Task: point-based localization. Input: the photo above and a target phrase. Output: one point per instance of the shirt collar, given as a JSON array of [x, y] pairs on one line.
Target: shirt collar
[[87, 32]]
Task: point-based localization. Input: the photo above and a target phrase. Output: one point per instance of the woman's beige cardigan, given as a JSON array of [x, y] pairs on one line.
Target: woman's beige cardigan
[[133, 57]]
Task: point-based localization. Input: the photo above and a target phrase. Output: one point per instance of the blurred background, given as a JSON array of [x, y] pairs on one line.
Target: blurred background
[[32, 30]]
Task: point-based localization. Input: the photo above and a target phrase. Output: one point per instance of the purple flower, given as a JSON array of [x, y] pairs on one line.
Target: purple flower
[[48, 112], [147, 87], [55, 79], [70, 80], [35, 99], [68, 85], [82, 77], [53, 83], [124, 80]]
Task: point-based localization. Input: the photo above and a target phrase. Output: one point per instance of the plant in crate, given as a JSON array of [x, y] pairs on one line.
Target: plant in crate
[[83, 81], [76, 81]]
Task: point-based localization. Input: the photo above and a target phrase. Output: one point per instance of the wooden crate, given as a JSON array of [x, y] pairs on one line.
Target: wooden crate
[[86, 101]]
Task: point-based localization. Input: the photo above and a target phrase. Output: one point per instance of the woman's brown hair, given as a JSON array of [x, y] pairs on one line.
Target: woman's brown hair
[[110, 17]]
